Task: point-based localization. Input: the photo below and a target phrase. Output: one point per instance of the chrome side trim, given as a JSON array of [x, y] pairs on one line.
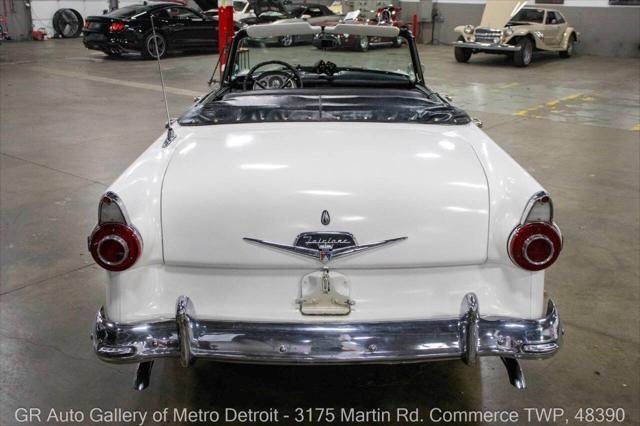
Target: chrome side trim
[[467, 338]]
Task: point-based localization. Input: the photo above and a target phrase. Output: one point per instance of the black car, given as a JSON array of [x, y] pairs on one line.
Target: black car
[[129, 29]]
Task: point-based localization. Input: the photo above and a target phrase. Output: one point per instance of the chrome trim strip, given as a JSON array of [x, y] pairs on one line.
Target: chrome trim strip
[[467, 337], [487, 46], [324, 256], [287, 248]]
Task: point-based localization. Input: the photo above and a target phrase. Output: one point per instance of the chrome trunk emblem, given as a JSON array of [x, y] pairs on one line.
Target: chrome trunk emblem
[[325, 246], [325, 219]]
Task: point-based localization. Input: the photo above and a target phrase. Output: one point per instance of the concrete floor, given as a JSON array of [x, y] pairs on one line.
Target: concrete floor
[[72, 120]]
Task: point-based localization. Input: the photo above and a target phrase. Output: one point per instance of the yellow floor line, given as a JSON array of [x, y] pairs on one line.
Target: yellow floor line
[[551, 103], [635, 128]]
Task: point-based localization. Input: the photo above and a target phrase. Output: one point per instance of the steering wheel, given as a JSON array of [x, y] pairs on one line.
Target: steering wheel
[[276, 79]]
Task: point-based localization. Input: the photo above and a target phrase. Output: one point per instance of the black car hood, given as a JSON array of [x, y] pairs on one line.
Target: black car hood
[[206, 4]]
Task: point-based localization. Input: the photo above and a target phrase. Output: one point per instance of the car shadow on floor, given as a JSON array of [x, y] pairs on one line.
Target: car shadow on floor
[[134, 56], [447, 385]]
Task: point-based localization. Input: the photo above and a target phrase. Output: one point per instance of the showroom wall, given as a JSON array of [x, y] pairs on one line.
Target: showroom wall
[[606, 30]]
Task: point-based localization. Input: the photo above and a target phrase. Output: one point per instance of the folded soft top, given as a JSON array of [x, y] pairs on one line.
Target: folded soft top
[[324, 105]]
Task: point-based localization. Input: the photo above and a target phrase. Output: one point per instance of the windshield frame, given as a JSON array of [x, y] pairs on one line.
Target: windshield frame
[[535, 9], [404, 33]]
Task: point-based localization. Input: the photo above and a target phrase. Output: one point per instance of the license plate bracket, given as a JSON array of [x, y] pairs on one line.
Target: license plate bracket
[[324, 293]]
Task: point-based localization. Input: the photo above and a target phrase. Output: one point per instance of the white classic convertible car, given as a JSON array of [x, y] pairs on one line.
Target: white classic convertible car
[[325, 207]]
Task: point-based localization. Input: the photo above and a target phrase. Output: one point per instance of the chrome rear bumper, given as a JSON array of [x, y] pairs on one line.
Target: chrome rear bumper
[[466, 337], [487, 46]]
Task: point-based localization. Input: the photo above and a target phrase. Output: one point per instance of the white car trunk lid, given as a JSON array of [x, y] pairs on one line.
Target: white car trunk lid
[[272, 182]]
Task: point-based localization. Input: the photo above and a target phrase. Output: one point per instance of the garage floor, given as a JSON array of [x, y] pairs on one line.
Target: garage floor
[[72, 120]]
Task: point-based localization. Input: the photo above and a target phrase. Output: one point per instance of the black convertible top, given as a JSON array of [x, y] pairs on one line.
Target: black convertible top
[[388, 105]]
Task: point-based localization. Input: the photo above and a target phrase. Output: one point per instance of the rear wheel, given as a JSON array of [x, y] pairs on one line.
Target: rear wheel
[[154, 46], [363, 44], [522, 57], [462, 54], [570, 48]]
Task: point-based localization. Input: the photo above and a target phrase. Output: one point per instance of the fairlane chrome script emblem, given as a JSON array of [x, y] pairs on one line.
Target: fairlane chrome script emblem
[[325, 246], [325, 219]]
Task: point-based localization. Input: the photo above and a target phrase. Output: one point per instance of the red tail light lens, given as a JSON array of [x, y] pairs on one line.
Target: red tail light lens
[[86, 24], [535, 246], [116, 26], [115, 246]]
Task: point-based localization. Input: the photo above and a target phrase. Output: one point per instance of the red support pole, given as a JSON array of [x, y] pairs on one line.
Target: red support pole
[[225, 31], [415, 26]]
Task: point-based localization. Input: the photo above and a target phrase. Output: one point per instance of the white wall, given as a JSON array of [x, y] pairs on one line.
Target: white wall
[[568, 3], [42, 10]]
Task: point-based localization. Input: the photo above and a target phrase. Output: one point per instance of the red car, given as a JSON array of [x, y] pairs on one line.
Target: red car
[[388, 15]]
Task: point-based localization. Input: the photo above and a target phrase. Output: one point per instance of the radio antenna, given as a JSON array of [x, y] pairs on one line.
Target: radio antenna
[[170, 133]]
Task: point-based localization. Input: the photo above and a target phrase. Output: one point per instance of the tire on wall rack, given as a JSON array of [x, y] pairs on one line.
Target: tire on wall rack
[[67, 23]]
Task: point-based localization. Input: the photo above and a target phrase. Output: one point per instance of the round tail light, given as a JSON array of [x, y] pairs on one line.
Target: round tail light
[[535, 246], [115, 246]]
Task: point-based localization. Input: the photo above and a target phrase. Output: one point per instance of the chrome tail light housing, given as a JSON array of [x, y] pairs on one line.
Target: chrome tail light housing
[[536, 242], [115, 244]]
